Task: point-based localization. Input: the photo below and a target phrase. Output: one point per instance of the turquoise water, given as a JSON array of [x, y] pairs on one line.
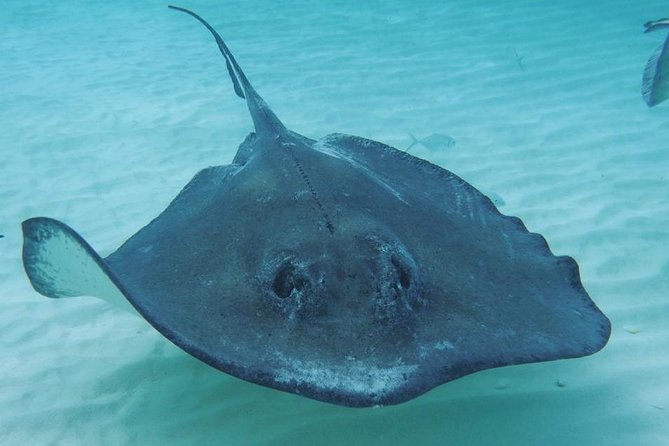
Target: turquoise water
[[108, 109]]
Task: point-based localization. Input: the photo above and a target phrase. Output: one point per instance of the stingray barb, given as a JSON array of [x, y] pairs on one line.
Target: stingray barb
[[341, 269]]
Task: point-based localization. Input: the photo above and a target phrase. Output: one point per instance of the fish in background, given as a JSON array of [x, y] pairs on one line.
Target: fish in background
[[517, 58], [655, 84], [435, 141]]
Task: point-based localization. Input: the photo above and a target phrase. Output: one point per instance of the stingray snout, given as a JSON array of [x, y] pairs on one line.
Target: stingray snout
[[372, 277]]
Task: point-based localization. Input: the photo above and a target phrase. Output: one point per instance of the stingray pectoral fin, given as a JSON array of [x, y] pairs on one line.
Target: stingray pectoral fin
[[655, 25], [60, 263], [655, 84]]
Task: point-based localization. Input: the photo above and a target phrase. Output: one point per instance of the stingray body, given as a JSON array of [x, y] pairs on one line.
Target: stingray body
[[655, 81], [342, 269]]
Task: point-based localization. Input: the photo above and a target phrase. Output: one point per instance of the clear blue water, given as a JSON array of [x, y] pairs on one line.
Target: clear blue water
[[108, 108]]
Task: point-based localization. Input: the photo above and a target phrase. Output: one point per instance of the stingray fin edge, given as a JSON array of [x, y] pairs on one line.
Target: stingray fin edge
[[60, 263], [654, 88]]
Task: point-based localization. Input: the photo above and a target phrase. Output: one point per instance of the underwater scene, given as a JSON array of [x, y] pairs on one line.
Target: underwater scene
[[326, 223]]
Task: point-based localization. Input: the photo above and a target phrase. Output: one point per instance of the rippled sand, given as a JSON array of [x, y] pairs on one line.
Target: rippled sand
[[108, 108]]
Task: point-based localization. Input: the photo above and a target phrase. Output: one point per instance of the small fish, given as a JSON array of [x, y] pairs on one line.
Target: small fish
[[654, 25], [435, 141], [2, 236], [632, 329], [518, 58]]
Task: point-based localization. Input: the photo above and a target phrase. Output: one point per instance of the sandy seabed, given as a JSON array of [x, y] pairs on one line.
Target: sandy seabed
[[108, 108]]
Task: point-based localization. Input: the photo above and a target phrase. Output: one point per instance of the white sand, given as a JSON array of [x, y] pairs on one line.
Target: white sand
[[108, 108]]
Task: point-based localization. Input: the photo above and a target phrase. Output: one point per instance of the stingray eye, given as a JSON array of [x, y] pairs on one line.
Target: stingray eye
[[398, 286], [403, 271], [287, 281]]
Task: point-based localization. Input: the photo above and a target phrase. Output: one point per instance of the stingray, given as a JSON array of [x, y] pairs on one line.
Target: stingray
[[654, 25], [340, 269], [655, 82]]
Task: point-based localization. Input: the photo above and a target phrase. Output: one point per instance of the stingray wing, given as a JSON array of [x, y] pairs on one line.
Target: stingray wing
[[655, 85], [60, 263], [406, 176], [496, 294]]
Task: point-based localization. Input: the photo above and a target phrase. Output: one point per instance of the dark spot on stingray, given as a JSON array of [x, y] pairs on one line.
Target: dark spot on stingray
[[403, 271], [288, 281], [341, 269]]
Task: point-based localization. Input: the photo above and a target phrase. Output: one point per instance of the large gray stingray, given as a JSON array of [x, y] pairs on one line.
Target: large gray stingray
[[342, 269]]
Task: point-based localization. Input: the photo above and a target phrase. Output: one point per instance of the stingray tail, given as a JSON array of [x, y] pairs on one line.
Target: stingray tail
[[264, 119], [60, 263], [414, 141]]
